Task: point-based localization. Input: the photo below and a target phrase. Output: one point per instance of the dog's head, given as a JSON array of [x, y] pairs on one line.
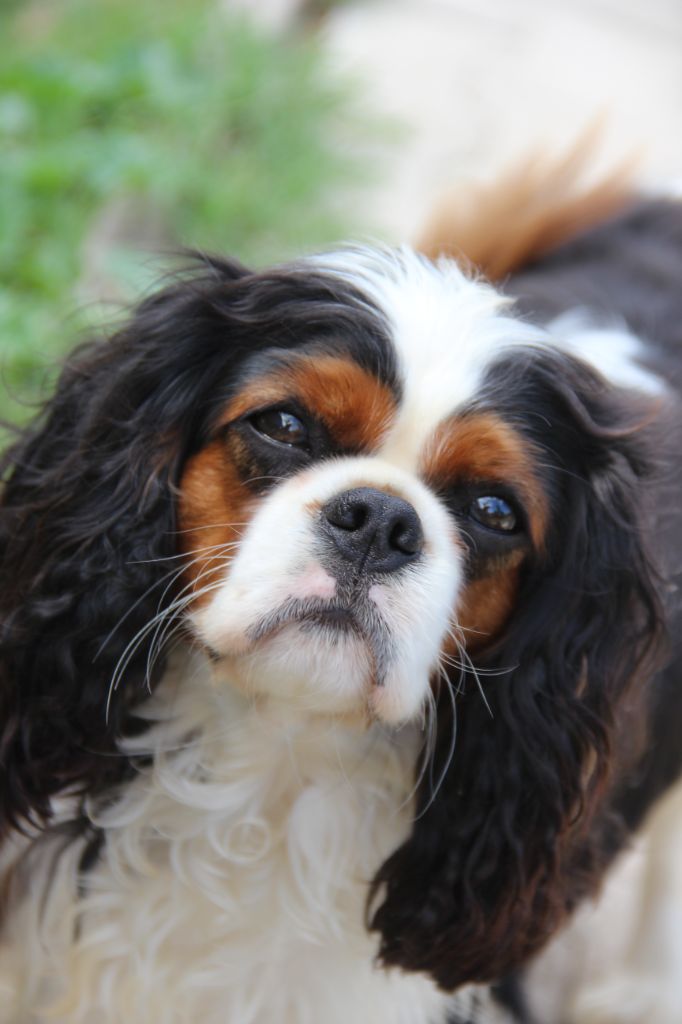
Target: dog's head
[[364, 489]]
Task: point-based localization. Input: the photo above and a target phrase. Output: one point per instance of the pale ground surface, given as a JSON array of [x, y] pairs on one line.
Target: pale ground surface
[[479, 83]]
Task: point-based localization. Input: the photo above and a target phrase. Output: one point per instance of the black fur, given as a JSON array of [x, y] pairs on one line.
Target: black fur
[[509, 993], [630, 270]]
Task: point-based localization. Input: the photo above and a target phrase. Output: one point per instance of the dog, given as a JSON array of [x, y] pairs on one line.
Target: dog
[[337, 603]]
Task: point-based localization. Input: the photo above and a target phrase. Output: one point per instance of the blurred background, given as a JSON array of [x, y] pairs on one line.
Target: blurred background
[[265, 128]]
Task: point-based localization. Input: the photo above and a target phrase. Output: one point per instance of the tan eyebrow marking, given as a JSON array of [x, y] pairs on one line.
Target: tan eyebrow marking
[[481, 446], [214, 508], [355, 406]]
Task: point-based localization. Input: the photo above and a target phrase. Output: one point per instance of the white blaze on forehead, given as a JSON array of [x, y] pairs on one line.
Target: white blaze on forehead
[[446, 327]]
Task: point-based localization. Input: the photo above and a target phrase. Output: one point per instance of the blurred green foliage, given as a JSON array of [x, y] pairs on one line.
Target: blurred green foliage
[[223, 133]]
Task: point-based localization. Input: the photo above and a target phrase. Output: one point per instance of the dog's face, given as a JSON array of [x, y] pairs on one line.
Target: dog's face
[[355, 526]]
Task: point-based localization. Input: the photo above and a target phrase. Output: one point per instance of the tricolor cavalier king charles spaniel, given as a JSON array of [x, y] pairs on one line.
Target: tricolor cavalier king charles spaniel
[[333, 616]]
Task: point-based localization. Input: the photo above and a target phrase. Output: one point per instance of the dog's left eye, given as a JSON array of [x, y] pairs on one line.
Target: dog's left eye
[[281, 426], [494, 512]]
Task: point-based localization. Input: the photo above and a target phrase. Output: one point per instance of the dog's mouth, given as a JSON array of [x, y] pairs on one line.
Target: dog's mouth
[[332, 622], [309, 614], [332, 617]]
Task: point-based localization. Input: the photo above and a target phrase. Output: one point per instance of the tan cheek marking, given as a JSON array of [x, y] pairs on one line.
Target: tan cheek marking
[[355, 407], [486, 605], [483, 447], [214, 509]]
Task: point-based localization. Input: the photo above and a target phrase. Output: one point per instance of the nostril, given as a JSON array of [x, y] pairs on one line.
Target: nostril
[[406, 536], [347, 514]]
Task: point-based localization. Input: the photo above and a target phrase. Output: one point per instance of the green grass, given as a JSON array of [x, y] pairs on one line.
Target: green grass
[[224, 135]]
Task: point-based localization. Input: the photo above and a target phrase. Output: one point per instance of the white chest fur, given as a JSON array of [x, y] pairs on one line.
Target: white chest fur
[[231, 887]]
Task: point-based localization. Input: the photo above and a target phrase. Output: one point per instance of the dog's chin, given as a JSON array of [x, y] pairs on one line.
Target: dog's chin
[[323, 662]]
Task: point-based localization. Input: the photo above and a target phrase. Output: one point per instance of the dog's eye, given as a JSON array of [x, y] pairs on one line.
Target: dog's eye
[[494, 512], [281, 426]]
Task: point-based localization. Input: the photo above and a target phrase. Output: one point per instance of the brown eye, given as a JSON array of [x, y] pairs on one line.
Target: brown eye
[[281, 426], [494, 512]]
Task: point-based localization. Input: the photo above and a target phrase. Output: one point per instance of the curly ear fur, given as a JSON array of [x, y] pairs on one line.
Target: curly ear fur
[[86, 514], [520, 826]]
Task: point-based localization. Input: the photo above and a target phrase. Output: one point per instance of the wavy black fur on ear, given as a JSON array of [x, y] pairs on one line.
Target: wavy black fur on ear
[[87, 512], [520, 828]]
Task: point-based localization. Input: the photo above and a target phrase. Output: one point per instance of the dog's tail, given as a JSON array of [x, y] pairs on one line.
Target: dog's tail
[[500, 227]]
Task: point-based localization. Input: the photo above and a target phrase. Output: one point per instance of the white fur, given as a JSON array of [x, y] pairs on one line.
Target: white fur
[[232, 885]]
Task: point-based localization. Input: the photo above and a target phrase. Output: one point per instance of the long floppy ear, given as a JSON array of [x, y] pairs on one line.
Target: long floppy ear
[[85, 516], [520, 828]]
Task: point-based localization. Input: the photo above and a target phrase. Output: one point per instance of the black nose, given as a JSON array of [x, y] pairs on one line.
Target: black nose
[[376, 531]]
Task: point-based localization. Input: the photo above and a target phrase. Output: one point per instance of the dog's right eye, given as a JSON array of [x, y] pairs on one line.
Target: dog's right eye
[[282, 426]]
